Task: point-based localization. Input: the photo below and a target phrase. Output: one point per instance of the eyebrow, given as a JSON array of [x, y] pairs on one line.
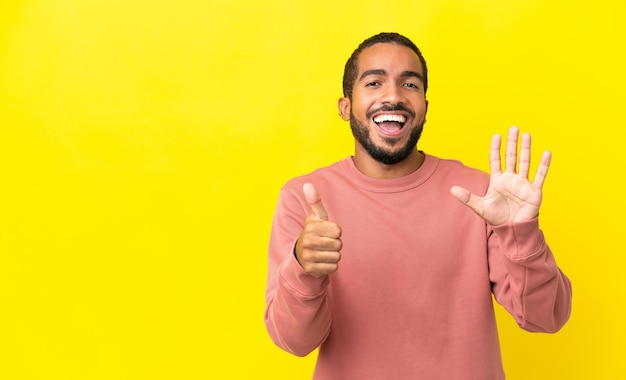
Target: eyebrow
[[405, 74]]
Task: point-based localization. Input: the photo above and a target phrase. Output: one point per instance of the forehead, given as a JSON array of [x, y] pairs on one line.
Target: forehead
[[389, 57]]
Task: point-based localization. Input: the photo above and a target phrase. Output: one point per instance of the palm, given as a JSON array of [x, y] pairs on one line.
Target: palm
[[511, 197]]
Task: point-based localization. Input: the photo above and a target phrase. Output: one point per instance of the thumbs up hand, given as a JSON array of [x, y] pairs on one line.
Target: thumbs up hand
[[319, 245]]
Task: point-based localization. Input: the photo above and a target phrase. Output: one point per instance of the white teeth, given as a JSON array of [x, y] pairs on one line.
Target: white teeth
[[383, 118]]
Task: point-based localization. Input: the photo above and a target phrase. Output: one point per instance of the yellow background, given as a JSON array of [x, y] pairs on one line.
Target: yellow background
[[143, 144]]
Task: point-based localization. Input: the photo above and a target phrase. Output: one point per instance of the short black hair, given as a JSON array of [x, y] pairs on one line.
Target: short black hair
[[351, 69]]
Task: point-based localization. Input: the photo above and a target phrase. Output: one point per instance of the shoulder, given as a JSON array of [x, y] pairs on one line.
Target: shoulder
[[457, 173], [320, 177], [458, 167]]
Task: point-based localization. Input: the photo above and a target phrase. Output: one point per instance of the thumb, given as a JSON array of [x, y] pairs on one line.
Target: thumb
[[461, 194], [466, 197], [313, 199]]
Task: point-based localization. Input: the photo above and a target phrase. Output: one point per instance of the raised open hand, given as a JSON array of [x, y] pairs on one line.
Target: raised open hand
[[511, 197]]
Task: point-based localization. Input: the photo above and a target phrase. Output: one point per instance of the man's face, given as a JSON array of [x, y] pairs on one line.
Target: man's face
[[388, 105]]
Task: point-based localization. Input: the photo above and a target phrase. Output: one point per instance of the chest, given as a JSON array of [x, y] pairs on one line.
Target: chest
[[414, 238]]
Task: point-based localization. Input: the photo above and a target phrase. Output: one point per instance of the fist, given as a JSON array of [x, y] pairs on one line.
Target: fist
[[318, 249]]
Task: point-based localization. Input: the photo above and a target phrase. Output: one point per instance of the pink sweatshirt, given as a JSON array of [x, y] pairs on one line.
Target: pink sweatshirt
[[412, 298]]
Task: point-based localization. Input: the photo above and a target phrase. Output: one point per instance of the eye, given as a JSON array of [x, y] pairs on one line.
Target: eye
[[411, 85], [372, 84]]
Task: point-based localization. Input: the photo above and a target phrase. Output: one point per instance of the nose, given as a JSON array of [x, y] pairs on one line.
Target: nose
[[392, 94]]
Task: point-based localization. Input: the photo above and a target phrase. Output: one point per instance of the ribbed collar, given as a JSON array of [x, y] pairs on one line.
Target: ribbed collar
[[390, 185]]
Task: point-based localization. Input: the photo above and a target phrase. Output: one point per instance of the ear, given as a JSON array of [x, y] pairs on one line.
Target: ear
[[344, 108]]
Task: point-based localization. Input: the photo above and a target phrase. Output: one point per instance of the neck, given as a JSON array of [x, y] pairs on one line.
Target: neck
[[372, 168]]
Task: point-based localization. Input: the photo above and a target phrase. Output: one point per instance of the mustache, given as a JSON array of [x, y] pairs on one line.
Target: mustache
[[390, 108]]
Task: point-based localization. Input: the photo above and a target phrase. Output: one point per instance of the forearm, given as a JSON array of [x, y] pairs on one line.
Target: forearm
[[532, 287], [297, 314]]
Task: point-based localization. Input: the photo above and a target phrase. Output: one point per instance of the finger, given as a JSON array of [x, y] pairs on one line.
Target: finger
[[524, 156], [460, 193], [327, 257], [511, 150], [321, 269], [542, 170], [466, 197], [494, 154], [315, 202]]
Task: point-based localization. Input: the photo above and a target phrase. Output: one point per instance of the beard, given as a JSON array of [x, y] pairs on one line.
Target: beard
[[379, 153]]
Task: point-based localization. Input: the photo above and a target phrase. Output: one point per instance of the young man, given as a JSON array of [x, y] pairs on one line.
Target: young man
[[387, 260]]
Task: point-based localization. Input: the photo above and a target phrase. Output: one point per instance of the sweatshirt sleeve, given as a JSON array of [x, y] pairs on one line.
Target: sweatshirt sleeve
[[526, 279], [297, 314]]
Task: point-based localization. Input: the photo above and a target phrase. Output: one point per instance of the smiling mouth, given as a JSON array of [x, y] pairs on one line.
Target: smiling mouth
[[390, 124]]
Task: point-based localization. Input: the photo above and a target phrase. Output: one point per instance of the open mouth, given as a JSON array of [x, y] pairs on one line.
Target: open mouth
[[390, 124]]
